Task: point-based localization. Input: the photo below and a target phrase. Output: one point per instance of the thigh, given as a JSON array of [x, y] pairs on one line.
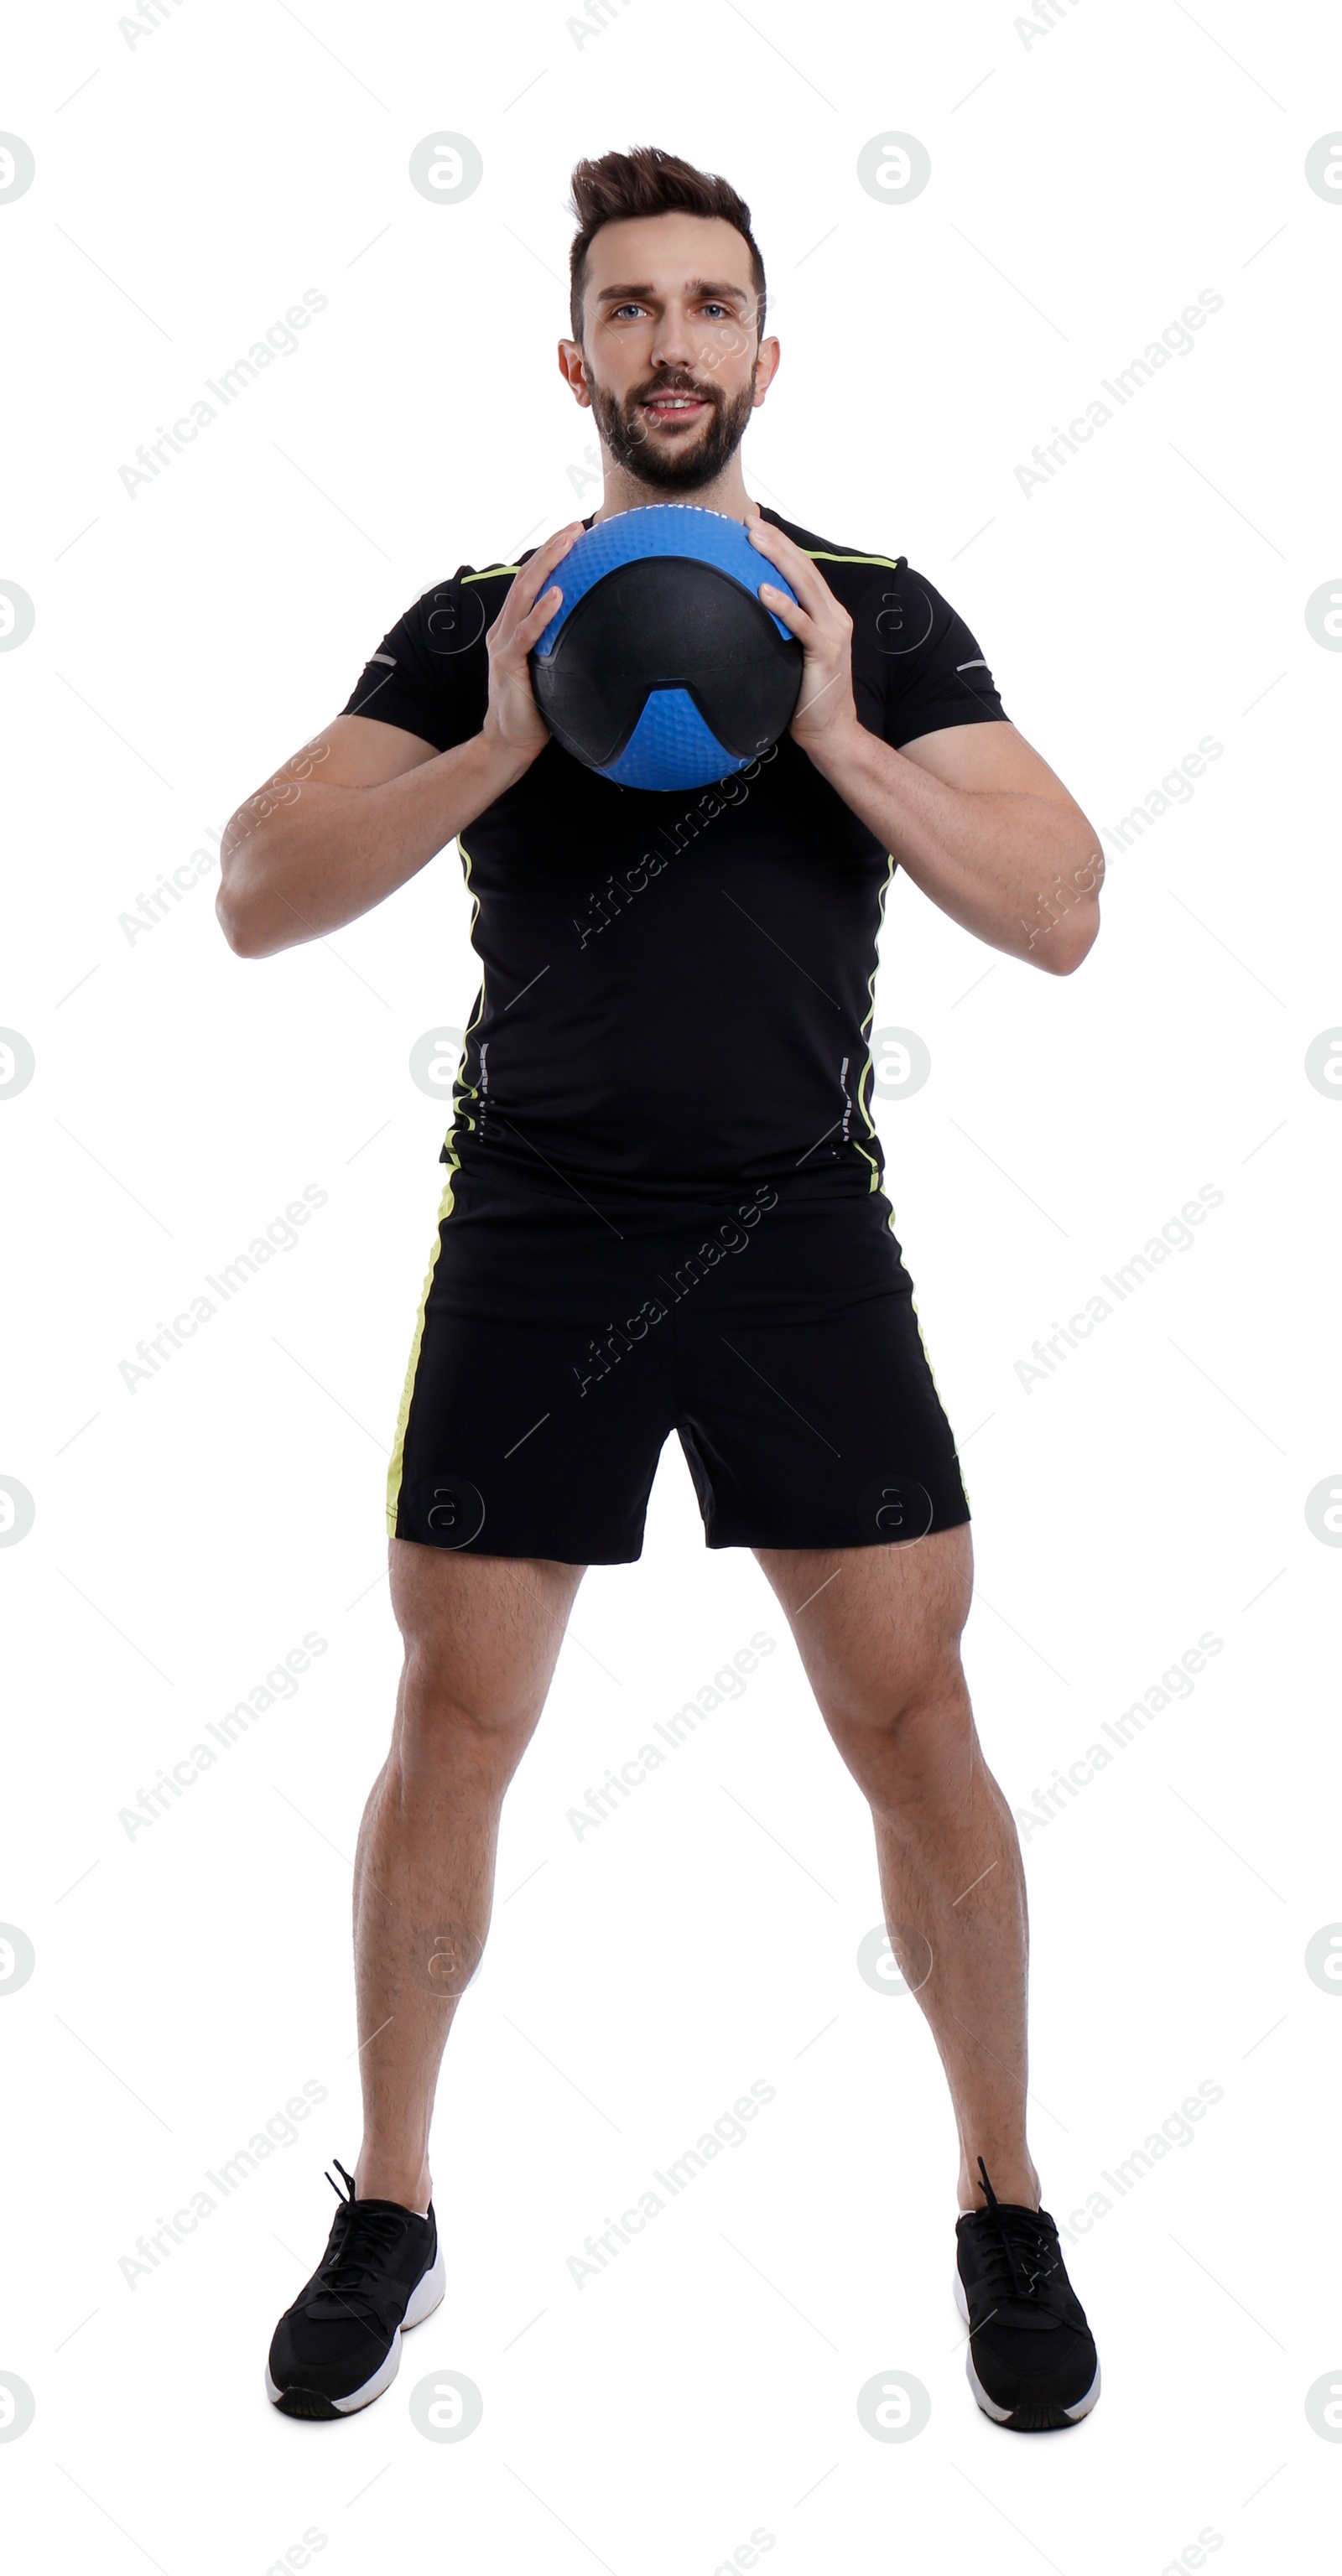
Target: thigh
[[482, 1632], [877, 1628]]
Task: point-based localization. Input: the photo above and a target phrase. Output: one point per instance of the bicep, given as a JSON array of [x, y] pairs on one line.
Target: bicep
[[356, 751], [986, 759], [349, 752]]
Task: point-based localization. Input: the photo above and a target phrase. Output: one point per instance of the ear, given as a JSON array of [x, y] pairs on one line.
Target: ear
[[573, 368], [766, 368]]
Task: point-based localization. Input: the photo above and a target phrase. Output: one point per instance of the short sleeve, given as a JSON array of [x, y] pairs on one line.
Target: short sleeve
[[430, 673], [936, 672]]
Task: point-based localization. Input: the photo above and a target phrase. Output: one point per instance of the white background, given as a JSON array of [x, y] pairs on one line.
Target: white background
[[1086, 186]]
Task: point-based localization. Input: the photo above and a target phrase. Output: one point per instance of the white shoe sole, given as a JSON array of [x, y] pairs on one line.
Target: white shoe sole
[[1003, 2414], [429, 2294]]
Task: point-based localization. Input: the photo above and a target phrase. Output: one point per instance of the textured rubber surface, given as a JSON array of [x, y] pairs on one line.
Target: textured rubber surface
[[661, 528], [663, 669], [671, 742]]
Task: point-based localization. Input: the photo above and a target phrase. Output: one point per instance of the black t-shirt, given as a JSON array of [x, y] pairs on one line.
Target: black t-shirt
[[677, 988]]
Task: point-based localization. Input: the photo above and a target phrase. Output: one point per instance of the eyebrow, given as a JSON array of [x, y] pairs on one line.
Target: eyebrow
[[694, 286]]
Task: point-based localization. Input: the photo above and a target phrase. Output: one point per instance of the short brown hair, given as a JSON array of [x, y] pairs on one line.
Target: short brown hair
[[645, 181]]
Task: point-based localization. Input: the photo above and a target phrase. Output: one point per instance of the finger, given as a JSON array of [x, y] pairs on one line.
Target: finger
[[809, 584], [556, 544], [530, 583], [518, 634], [771, 540], [510, 636], [793, 615], [522, 595], [535, 622]]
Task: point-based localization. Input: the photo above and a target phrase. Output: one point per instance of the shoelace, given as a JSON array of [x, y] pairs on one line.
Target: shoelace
[[368, 2237], [1018, 2256]]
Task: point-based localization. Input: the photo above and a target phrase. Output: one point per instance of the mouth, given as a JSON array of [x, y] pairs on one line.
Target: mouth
[[674, 410]]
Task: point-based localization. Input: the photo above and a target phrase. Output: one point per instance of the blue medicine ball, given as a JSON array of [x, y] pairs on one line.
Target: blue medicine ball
[[663, 668]]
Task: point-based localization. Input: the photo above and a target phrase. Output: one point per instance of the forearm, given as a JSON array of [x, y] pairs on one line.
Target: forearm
[[302, 858], [1022, 872]]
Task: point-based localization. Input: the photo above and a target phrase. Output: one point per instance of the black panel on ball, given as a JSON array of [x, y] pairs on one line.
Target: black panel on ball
[[661, 623]]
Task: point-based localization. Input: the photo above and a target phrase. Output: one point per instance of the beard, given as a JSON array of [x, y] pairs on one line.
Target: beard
[[681, 464]]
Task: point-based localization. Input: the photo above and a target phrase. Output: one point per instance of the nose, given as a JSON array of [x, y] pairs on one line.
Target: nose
[[673, 344]]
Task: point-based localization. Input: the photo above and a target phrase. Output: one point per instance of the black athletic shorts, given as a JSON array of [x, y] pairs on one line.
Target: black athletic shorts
[[772, 1327]]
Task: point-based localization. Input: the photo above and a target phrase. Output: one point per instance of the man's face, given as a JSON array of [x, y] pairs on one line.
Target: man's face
[[669, 358]]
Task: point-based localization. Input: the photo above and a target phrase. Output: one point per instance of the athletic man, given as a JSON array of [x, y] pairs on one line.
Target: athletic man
[[664, 1211]]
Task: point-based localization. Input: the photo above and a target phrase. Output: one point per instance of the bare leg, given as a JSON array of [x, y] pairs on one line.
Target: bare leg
[[482, 1636], [878, 1630]]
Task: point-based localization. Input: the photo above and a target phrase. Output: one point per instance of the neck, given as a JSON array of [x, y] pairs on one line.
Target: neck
[[726, 492]]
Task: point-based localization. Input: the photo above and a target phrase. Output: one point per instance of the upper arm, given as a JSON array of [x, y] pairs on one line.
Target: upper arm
[[351, 751], [358, 751], [993, 759], [987, 759]]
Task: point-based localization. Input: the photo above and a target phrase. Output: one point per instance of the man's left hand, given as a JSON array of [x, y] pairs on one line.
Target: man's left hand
[[825, 711]]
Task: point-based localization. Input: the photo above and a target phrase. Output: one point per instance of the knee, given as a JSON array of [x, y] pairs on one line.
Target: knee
[[907, 1739], [447, 1713]]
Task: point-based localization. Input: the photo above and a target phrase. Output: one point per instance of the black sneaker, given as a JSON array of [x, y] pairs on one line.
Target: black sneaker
[[1031, 2361], [339, 2345]]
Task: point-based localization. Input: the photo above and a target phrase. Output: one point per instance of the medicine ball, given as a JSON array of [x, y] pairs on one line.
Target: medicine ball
[[662, 667]]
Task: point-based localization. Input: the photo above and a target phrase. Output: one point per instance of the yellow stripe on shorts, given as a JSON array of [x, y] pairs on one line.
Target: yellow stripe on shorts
[[398, 1453]]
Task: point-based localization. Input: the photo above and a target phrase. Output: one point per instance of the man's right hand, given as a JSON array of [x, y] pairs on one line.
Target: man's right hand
[[513, 717]]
